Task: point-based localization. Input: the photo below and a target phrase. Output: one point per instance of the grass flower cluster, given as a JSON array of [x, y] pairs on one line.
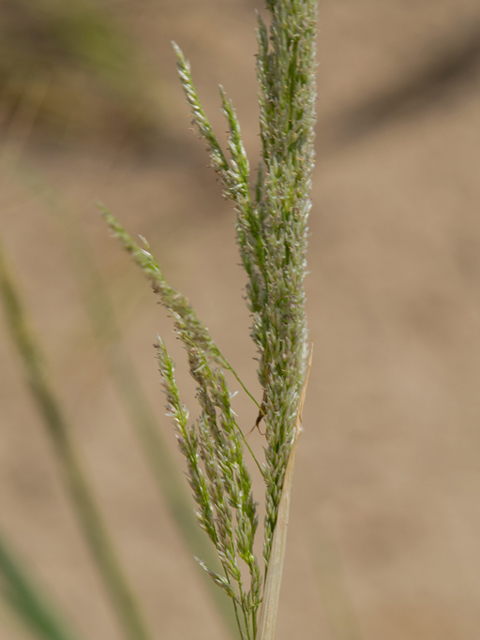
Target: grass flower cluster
[[271, 225]]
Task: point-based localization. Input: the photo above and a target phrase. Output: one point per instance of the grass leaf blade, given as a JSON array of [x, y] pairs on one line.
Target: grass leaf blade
[[34, 609]]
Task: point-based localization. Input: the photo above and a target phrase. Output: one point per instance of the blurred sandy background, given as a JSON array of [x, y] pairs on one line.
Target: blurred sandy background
[[384, 541]]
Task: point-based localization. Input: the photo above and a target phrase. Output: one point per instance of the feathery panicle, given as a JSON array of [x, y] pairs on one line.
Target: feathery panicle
[[286, 76], [218, 475], [271, 228]]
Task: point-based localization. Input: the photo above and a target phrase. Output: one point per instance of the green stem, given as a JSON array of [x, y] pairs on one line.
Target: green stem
[[232, 370], [247, 626], [254, 622], [239, 625]]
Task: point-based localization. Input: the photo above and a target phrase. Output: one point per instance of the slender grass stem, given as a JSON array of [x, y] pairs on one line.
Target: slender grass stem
[[232, 370], [237, 617]]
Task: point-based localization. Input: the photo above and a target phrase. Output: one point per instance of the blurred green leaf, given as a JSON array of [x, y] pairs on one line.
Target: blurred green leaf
[[76, 482], [94, 79], [28, 601]]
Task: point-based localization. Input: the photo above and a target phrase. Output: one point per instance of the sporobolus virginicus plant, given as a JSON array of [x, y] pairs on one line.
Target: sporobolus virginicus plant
[[271, 228]]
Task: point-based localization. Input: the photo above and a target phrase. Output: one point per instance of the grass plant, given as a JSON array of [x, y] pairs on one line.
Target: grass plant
[[271, 227]]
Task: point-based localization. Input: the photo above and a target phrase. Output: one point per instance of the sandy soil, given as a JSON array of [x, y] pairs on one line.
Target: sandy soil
[[385, 526]]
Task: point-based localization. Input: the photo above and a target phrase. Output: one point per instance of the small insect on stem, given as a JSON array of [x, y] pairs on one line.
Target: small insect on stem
[[261, 415]]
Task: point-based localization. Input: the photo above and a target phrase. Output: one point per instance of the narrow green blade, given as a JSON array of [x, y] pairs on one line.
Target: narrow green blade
[[28, 601]]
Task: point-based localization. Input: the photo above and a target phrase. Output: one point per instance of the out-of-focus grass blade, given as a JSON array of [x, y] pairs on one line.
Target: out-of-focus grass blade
[[91, 67], [28, 601], [81, 496], [107, 332]]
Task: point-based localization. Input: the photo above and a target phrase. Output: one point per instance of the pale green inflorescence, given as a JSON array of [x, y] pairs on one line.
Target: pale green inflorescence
[[271, 227], [286, 76], [217, 472]]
